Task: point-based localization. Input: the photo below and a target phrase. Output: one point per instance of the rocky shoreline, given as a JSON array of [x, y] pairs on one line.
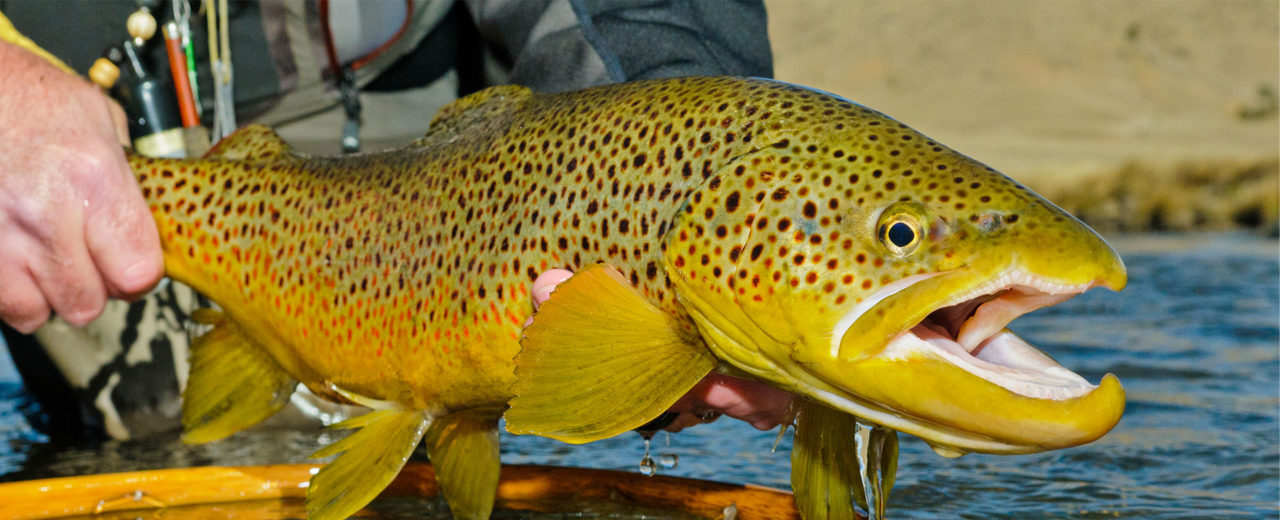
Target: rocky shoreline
[[1135, 115], [1188, 197]]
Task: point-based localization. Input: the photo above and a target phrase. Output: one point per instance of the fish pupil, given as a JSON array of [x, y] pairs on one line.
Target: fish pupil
[[901, 235]]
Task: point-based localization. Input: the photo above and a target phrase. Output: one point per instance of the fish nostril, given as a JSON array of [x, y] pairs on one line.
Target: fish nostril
[[988, 222]]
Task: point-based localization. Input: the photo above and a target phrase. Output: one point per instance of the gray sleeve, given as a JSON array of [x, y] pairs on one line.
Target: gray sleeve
[[668, 38], [556, 45]]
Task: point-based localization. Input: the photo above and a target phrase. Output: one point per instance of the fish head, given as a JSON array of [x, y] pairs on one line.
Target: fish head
[[857, 262]]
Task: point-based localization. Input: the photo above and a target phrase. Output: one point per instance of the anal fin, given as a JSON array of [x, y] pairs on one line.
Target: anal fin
[[371, 458], [599, 359], [464, 450], [824, 464], [233, 384]]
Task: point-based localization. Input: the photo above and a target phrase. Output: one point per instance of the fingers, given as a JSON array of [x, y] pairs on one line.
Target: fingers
[[120, 121], [74, 228], [758, 404], [686, 420], [44, 252], [547, 282], [66, 274], [543, 285], [120, 233], [22, 303]]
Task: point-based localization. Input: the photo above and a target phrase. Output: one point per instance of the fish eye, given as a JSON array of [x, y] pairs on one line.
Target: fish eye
[[900, 234]]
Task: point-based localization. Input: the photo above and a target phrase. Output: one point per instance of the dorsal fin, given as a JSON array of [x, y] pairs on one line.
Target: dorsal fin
[[253, 142], [485, 107]]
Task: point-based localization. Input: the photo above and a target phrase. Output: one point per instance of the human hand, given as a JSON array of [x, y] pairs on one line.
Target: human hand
[[756, 403], [74, 228]]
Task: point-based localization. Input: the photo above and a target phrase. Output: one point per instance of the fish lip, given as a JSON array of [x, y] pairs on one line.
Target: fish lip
[[976, 340], [869, 303]]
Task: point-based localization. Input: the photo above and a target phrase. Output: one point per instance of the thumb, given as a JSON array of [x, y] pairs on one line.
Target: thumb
[[120, 121], [546, 283]]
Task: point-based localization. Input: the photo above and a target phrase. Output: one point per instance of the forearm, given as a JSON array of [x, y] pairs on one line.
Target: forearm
[[555, 45], [674, 38]]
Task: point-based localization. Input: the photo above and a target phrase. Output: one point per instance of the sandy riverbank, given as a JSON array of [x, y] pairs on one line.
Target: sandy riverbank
[[1133, 114]]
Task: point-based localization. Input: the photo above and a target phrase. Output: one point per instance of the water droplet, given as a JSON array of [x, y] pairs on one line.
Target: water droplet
[[669, 460], [877, 455], [947, 451], [647, 468]]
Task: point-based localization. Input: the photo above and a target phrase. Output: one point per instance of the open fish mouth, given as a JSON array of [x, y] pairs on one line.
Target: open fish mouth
[[952, 374], [970, 333]]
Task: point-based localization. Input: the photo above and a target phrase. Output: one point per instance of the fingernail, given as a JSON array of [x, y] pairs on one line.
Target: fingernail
[[542, 292], [140, 275]]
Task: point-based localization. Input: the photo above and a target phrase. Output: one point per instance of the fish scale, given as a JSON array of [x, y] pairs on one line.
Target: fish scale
[[718, 223]]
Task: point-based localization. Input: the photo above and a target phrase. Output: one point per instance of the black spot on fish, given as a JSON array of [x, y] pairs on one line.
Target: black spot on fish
[[810, 210], [731, 202]]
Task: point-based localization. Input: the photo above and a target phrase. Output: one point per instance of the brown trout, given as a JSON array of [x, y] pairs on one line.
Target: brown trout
[[748, 226]]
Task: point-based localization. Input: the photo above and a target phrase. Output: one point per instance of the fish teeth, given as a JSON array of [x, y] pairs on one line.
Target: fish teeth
[[1014, 277], [1013, 364]]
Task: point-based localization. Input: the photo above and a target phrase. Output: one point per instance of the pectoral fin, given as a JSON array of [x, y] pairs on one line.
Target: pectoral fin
[[824, 465], [599, 359], [464, 449], [233, 383], [371, 458]]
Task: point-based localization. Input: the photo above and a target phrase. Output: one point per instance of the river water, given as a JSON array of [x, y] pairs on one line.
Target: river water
[[1195, 339]]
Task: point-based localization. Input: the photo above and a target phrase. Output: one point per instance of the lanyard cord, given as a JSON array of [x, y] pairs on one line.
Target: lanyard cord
[[224, 116], [345, 76]]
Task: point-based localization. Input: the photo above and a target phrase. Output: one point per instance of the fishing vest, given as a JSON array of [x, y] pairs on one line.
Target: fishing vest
[[282, 67]]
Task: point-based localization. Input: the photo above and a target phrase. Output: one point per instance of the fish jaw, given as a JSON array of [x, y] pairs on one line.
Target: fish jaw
[[948, 371], [967, 413]]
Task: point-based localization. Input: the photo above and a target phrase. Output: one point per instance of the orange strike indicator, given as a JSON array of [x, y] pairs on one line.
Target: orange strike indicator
[[178, 69]]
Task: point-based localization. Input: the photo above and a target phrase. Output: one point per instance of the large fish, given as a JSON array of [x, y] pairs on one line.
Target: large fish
[[748, 226]]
